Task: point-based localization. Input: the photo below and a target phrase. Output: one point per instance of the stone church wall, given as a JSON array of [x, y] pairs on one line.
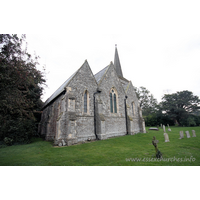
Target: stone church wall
[[84, 80], [115, 124], [66, 122]]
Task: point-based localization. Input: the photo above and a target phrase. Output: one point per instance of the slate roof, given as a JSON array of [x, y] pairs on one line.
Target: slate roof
[[59, 90], [126, 86], [98, 76]]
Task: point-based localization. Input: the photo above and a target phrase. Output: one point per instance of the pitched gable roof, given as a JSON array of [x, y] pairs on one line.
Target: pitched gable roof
[[59, 90], [62, 87], [98, 76]]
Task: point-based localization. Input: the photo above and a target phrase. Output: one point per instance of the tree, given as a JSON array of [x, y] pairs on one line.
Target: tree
[[180, 106], [147, 101], [21, 87]]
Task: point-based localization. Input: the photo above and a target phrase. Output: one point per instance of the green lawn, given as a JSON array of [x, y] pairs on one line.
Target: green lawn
[[111, 152]]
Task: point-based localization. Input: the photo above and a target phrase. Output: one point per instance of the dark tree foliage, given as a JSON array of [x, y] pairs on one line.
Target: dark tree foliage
[[21, 86], [181, 106], [147, 101]]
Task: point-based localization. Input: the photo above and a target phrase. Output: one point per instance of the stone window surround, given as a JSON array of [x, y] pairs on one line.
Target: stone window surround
[[117, 104], [88, 103], [133, 108]]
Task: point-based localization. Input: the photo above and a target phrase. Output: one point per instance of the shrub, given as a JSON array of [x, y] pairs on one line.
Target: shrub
[[8, 141]]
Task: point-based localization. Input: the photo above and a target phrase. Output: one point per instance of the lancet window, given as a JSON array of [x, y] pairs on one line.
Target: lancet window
[[86, 101], [113, 101], [133, 108]]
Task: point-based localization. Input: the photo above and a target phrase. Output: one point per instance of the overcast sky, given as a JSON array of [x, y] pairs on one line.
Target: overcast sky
[[158, 43]]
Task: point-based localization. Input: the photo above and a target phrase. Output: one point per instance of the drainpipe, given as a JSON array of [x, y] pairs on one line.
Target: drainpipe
[[95, 130], [126, 115]]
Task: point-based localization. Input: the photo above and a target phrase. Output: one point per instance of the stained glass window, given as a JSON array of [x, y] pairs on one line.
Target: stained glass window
[[111, 103], [115, 103], [85, 102], [133, 108]]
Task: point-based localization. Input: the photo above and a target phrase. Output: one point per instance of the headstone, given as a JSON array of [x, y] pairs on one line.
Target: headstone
[[63, 143], [155, 142], [169, 129], [164, 128], [166, 137], [154, 129], [161, 126], [187, 134], [181, 135], [193, 133]]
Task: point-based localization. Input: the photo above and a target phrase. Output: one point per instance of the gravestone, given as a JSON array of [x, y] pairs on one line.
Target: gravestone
[[193, 133], [166, 137], [181, 135], [154, 129], [161, 126], [155, 142], [187, 134], [169, 129], [164, 128], [63, 143]]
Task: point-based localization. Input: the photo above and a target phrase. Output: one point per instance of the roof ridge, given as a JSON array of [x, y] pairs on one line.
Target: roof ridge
[[63, 86], [98, 76], [101, 70]]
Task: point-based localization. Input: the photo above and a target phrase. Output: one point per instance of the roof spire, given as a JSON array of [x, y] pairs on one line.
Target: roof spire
[[117, 64]]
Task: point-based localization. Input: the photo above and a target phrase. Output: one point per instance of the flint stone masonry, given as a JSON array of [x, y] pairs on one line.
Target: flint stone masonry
[[65, 120]]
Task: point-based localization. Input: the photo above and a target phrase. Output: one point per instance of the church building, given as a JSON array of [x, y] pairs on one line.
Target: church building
[[92, 107]]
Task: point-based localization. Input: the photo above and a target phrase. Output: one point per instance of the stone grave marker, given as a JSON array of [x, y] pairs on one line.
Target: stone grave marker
[[154, 129], [166, 137], [164, 128], [63, 143], [161, 126], [169, 129], [193, 133], [181, 135], [187, 134]]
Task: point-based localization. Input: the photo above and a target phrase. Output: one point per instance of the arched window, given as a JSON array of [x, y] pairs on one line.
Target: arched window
[[113, 101], [86, 101], [133, 108]]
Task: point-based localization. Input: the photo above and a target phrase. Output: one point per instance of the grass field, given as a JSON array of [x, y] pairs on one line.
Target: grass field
[[119, 151]]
